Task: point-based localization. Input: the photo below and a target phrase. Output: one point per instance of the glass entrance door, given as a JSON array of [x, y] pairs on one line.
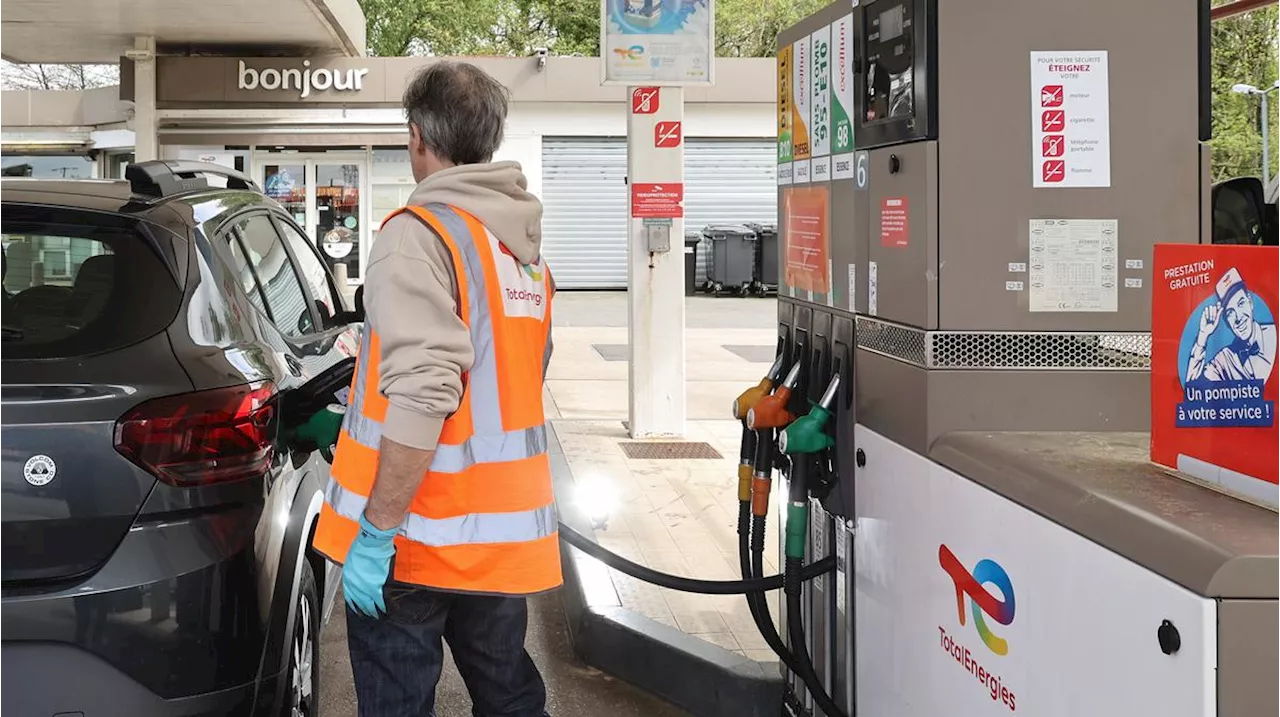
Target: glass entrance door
[[323, 195], [337, 227]]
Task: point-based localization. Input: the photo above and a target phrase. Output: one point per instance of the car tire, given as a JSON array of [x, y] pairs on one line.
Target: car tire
[[302, 680]]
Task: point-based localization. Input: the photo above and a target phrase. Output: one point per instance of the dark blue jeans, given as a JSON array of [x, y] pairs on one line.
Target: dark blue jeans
[[396, 659]]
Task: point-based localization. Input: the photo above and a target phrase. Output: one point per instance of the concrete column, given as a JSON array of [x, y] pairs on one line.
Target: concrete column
[[146, 142], [655, 277]]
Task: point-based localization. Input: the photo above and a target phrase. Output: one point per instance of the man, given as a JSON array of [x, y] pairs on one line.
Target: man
[[1252, 351], [439, 502]]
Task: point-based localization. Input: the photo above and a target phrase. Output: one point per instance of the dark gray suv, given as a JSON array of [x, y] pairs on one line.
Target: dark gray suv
[[163, 340]]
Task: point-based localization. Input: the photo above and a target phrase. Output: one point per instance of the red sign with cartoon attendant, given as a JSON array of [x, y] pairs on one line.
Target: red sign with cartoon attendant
[[1213, 353]]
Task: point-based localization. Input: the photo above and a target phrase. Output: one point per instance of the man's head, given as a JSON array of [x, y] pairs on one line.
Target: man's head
[[456, 116], [1236, 303]]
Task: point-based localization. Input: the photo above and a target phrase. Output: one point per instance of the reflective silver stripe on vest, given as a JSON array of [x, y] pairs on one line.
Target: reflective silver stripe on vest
[[489, 443], [473, 529], [486, 409]]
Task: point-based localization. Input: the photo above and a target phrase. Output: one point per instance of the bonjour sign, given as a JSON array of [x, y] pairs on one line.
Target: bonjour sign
[[302, 80]]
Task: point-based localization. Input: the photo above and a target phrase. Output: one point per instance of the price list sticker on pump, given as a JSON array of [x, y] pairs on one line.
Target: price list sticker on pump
[[1070, 119]]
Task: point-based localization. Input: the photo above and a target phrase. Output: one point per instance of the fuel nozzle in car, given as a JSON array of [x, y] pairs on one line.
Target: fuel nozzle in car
[[322, 429]]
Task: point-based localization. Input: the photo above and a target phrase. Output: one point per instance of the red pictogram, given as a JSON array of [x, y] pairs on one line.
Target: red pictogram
[[644, 100], [1053, 145], [666, 134], [1053, 121], [1051, 96], [1054, 170]]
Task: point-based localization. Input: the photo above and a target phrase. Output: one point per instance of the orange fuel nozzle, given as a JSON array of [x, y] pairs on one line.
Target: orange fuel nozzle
[[750, 397], [771, 411]]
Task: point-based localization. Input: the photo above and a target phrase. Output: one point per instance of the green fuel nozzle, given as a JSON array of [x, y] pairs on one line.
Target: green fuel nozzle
[[806, 434], [322, 428]]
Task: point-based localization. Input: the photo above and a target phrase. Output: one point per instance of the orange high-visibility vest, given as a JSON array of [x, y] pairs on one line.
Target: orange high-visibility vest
[[484, 518]]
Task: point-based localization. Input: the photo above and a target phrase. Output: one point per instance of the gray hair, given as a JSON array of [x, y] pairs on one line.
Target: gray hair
[[459, 111]]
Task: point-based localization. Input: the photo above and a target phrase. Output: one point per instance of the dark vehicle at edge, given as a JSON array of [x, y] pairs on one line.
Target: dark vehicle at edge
[[162, 339]]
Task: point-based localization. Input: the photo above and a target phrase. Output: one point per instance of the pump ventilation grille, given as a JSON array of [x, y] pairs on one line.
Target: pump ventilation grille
[[893, 340], [1006, 350]]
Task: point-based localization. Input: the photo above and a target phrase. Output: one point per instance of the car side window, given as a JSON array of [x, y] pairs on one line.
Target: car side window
[[313, 272], [284, 294], [244, 274]]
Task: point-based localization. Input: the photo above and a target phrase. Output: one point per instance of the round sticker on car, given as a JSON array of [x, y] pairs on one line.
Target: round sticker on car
[[39, 470]]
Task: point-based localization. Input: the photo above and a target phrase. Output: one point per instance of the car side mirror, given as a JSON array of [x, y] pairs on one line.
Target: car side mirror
[[1239, 212]]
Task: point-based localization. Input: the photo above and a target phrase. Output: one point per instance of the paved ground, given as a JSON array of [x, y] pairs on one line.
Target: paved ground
[[664, 512]]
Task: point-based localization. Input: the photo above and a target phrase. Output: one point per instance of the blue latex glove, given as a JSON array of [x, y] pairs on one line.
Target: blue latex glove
[[367, 567]]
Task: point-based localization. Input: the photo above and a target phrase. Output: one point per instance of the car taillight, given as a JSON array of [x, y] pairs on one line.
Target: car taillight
[[201, 438]]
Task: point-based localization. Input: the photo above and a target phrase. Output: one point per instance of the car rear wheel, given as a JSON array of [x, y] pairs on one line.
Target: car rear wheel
[[304, 650]]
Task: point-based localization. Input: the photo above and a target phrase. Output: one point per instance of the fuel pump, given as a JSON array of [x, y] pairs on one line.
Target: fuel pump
[[986, 269]]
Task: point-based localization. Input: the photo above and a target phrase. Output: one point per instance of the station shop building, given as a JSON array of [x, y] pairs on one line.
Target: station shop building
[[325, 136]]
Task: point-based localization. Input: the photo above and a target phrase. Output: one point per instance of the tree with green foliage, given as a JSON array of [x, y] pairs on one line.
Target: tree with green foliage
[[1244, 52], [744, 28]]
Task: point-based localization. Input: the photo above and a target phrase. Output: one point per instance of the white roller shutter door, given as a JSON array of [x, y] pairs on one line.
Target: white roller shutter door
[[584, 225], [584, 220], [728, 181]]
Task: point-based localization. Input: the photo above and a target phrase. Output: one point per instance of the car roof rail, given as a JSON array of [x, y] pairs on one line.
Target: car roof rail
[[167, 178]]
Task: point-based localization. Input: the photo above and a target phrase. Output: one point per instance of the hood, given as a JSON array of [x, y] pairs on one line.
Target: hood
[[495, 194]]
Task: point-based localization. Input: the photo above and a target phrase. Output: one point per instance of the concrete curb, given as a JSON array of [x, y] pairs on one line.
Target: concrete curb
[[705, 679]]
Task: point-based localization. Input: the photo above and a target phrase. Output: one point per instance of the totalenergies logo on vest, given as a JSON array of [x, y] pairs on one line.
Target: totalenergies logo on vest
[[532, 271], [524, 295], [984, 605]]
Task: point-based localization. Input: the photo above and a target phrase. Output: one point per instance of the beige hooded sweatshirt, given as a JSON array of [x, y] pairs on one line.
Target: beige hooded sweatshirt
[[411, 294]]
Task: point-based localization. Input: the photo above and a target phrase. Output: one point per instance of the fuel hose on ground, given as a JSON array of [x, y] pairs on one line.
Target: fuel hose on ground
[[684, 584]]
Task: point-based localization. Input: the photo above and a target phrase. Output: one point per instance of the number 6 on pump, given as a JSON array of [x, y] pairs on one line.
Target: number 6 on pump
[[861, 170]]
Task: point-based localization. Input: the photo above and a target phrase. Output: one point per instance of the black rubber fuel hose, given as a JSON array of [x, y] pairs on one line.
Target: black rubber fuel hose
[[795, 627], [684, 584], [756, 601]]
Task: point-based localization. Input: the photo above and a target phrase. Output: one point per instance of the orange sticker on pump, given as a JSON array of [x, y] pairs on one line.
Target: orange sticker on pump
[[806, 220]]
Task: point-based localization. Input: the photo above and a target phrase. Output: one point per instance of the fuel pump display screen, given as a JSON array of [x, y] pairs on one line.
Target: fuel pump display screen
[[890, 88]]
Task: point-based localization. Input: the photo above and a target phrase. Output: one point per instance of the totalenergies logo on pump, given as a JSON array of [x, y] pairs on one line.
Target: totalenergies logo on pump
[[984, 605]]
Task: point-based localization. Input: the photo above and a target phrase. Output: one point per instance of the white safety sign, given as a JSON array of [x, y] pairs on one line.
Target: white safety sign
[[1070, 119]]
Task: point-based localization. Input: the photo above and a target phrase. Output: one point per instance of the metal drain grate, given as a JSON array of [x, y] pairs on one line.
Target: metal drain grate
[[672, 450]]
